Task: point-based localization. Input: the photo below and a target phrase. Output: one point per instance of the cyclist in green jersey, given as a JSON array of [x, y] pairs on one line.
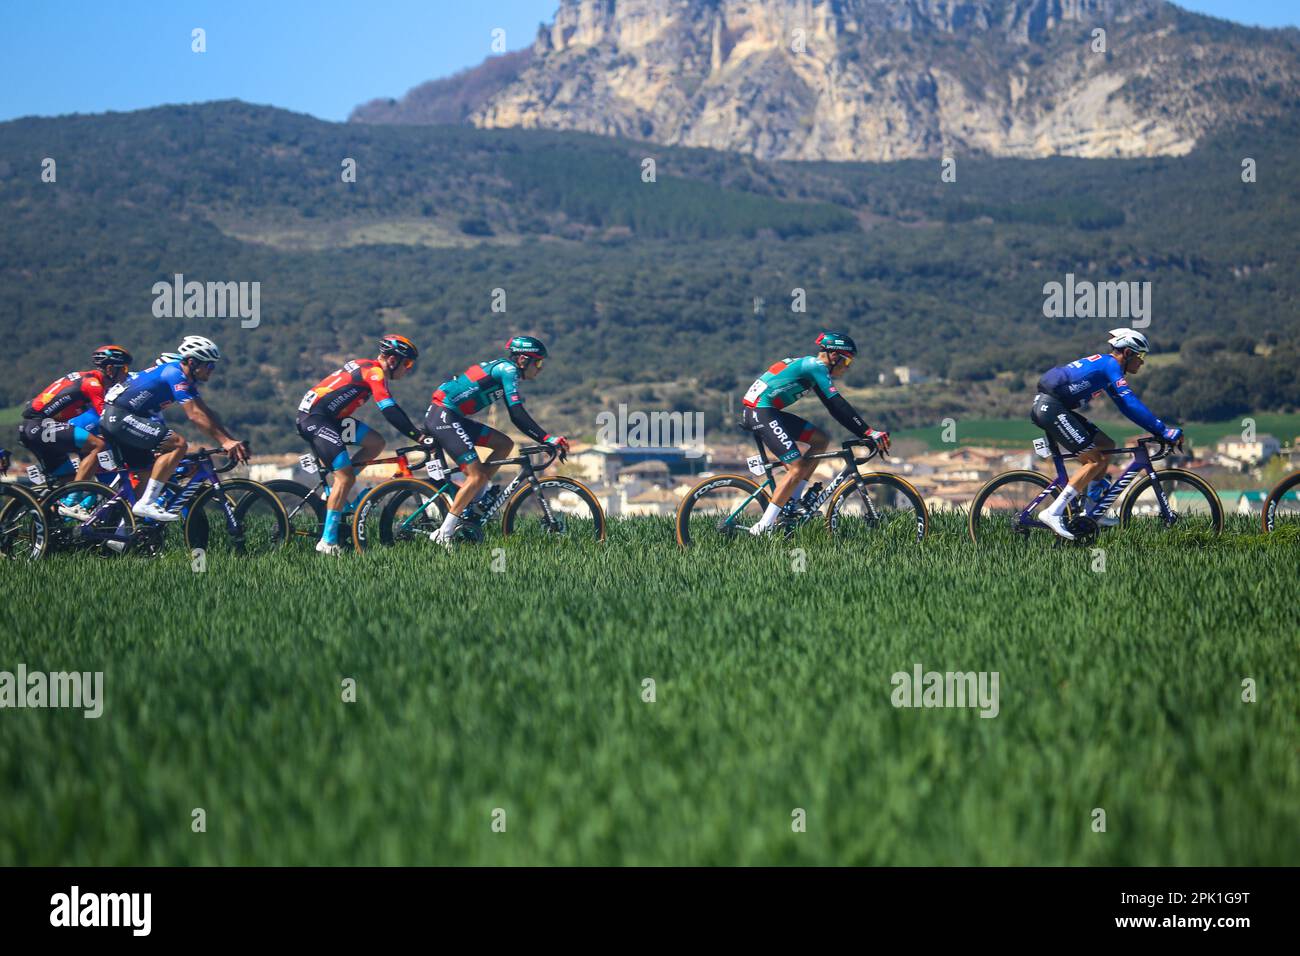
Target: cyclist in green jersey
[[471, 391], [784, 383]]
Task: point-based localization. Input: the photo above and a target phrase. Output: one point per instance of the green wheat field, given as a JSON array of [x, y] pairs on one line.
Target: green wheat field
[[520, 690]]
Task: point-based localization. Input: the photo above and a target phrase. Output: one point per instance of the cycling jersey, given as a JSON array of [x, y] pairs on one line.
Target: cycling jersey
[[1076, 384], [341, 393], [788, 380], [153, 390], [479, 386], [69, 396]]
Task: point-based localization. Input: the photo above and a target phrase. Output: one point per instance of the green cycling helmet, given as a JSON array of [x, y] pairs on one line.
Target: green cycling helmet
[[835, 342], [526, 345]]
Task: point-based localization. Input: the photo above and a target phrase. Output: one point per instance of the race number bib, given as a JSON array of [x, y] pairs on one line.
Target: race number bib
[[106, 460], [308, 464], [1041, 449], [307, 401], [114, 392], [35, 475], [755, 463], [755, 390], [435, 469]]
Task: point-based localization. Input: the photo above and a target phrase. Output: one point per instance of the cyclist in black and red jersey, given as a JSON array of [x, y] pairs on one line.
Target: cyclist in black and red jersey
[[48, 430], [324, 409]]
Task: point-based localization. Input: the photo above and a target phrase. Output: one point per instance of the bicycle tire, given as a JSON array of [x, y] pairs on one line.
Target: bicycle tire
[[17, 505], [742, 485], [1214, 506], [302, 505], [388, 497], [198, 529], [973, 519], [1268, 514], [559, 484], [901, 486]]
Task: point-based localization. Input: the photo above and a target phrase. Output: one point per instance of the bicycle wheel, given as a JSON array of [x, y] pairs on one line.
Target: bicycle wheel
[[397, 511], [1194, 506], [718, 509], [24, 532], [1282, 506], [997, 513], [303, 506], [559, 505], [242, 518], [101, 525], [878, 507]]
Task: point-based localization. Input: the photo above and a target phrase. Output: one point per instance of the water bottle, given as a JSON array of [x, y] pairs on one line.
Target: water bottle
[[1097, 490], [810, 496]]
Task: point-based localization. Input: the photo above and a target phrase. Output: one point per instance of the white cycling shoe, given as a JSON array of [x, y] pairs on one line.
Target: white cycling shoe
[[326, 547], [758, 530], [437, 537], [152, 510], [75, 512], [1057, 524]]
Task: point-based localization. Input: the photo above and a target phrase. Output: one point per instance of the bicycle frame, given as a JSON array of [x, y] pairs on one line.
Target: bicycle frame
[[527, 474], [850, 469], [1141, 464], [174, 498]]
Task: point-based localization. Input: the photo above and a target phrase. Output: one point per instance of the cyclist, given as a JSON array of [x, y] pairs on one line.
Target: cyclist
[[784, 383], [474, 390], [1066, 388], [322, 413], [63, 418], [133, 419]]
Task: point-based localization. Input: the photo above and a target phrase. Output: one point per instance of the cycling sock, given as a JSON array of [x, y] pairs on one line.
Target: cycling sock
[[151, 491], [1058, 506], [770, 515], [332, 521], [450, 524]]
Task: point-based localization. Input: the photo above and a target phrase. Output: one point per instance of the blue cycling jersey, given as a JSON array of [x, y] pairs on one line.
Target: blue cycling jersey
[[153, 390], [1079, 382]]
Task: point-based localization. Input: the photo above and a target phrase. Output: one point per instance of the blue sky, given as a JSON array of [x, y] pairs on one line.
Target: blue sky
[[321, 57]]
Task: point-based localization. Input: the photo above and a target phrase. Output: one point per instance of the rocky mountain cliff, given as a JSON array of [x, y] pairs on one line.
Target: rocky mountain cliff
[[877, 79]]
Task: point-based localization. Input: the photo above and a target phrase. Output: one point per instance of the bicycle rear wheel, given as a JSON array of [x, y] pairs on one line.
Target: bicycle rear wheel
[[878, 507], [397, 511], [24, 532], [719, 509], [557, 506], [101, 524], [303, 506], [1001, 512], [1194, 507], [1282, 506], [243, 518]]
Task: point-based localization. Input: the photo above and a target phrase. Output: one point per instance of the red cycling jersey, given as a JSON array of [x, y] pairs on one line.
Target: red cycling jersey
[[341, 393], [68, 396]]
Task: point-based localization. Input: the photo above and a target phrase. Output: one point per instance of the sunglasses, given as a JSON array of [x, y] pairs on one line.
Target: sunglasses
[[846, 359]]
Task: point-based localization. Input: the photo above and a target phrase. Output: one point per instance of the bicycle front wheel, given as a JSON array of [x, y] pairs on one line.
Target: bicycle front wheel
[[24, 532], [1282, 507], [397, 511], [718, 509], [554, 506], [303, 506], [242, 518], [1184, 501], [1007, 508], [878, 507]]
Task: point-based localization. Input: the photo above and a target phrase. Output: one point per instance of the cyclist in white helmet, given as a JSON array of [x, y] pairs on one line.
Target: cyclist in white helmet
[[133, 419], [1068, 387]]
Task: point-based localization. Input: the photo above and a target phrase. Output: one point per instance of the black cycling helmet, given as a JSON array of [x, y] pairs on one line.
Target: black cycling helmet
[[526, 345], [835, 342], [393, 344], [108, 355]]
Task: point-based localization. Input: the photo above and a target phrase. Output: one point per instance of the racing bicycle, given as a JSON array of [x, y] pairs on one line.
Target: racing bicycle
[[1282, 506], [1007, 507], [871, 506], [24, 533]]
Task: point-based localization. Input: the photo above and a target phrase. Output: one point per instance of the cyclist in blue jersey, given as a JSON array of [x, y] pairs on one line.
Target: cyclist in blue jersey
[[133, 419], [784, 383], [473, 390], [1066, 388]]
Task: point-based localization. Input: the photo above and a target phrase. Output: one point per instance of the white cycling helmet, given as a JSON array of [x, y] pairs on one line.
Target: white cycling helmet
[[200, 349], [1129, 339], [166, 357]]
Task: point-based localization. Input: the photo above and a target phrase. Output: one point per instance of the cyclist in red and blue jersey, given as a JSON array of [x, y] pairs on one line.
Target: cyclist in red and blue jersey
[[784, 383], [325, 422], [1066, 388], [474, 390], [133, 419], [62, 419]]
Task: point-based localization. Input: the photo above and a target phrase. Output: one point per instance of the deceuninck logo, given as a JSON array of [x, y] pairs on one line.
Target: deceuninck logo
[[948, 689], [76, 908], [78, 690]]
